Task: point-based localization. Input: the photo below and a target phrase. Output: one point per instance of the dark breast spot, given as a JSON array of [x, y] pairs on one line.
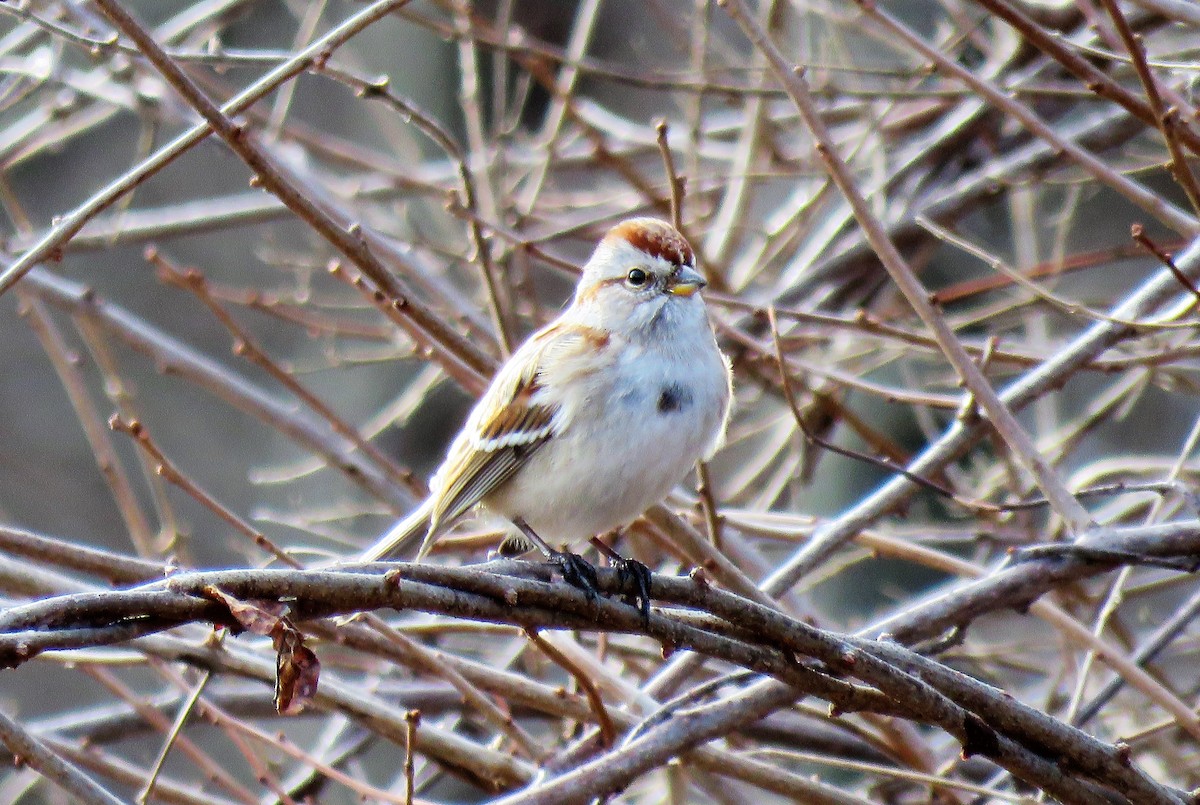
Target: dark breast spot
[[674, 397]]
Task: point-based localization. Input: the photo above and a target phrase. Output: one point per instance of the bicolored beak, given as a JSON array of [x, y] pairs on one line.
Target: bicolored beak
[[685, 282]]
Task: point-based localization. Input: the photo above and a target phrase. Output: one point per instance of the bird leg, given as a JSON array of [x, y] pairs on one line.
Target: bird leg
[[574, 568], [630, 571]]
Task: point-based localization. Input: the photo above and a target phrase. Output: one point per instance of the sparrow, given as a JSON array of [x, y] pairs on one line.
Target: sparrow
[[594, 418]]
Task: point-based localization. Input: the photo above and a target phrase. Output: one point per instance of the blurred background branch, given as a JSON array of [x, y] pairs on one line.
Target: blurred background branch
[[374, 202]]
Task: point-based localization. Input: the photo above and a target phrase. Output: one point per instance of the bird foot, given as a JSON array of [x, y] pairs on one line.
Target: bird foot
[[632, 572], [577, 572]]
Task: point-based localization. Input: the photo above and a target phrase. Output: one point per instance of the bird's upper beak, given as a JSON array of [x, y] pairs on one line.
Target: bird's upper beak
[[685, 282]]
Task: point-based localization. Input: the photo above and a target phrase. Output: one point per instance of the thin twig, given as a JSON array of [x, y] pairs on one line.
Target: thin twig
[[674, 181], [164, 467], [608, 733], [111, 466], [181, 717], [26, 749], [413, 719], [1168, 119], [1091, 76], [245, 346], [53, 241], [999, 414], [1138, 232]]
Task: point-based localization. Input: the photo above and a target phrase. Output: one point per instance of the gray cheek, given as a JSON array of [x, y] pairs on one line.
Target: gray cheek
[[674, 398]]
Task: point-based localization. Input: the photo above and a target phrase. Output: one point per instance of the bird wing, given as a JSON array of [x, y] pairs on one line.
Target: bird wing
[[507, 426]]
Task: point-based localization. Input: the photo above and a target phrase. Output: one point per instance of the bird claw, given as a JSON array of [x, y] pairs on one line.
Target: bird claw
[[577, 572], [631, 571]]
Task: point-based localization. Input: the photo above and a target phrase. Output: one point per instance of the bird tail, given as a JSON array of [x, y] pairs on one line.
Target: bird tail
[[403, 535]]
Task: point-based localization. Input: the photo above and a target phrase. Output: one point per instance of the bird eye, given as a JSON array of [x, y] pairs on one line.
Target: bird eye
[[637, 277]]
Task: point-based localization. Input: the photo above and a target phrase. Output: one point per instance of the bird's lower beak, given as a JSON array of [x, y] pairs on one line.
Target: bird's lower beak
[[685, 282]]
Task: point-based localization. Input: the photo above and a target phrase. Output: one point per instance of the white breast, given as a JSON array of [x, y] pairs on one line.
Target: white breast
[[636, 432]]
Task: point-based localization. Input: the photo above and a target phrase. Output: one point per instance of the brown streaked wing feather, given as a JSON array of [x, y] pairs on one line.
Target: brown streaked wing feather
[[482, 472], [481, 468], [514, 427], [520, 421]]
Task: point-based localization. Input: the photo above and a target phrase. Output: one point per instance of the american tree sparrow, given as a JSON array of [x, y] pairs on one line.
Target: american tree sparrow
[[598, 415]]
